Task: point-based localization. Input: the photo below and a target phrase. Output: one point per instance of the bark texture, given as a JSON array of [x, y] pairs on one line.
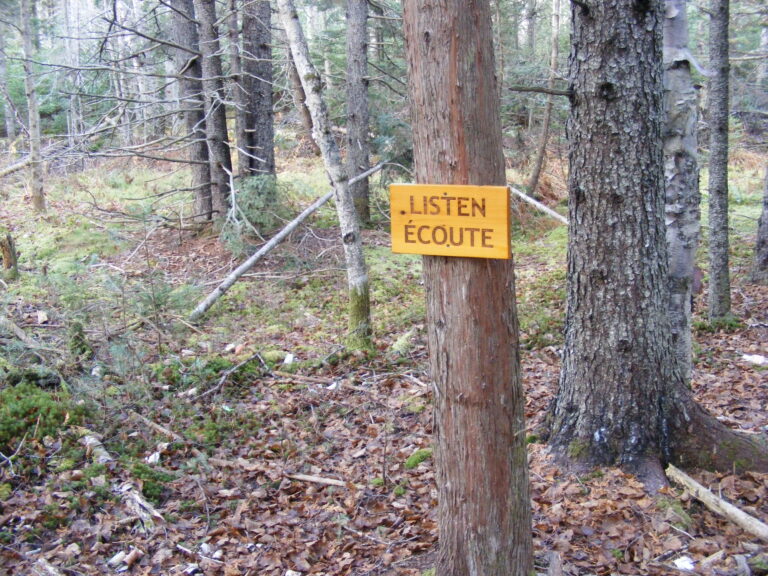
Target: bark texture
[[681, 177], [187, 63], [257, 80], [719, 276], [622, 398], [215, 112], [29, 36], [482, 476], [10, 257], [760, 269], [9, 114], [358, 148], [300, 102], [357, 272]]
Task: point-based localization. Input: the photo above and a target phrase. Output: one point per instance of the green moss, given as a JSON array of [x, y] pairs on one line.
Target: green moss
[[359, 337], [577, 449], [154, 481], [399, 491], [378, 481], [5, 491], [417, 458]]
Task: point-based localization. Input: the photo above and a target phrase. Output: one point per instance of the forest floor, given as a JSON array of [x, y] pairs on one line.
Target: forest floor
[[255, 443]]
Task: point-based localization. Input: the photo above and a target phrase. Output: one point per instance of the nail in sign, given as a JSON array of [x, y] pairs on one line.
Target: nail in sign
[[450, 220]]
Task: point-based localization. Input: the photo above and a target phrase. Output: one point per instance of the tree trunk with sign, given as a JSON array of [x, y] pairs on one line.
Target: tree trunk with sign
[[484, 507], [622, 398]]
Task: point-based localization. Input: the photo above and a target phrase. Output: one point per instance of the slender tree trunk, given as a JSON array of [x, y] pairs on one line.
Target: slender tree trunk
[[719, 276], [9, 114], [257, 77], [187, 62], [760, 269], [622, 398], [482, 477], [300, 102], [531, 10], [542, 151], [681, 177], [238, 91], [9, 256], [358, 149], [215, 111], [357, 273], [29, 33]]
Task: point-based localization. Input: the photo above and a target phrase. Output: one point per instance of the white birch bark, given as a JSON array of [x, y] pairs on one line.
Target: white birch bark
[[681, 176], [357, 273]]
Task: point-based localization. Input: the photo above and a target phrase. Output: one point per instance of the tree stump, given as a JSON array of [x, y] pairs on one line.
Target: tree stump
[[10, 258]]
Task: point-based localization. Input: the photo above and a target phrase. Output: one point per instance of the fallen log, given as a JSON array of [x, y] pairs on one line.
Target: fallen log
[[238, 272], [718, 505]]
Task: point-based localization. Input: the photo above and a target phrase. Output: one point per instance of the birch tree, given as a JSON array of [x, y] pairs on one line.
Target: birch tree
[[760, 268], [29, 33], [681, 177], [357, 273]]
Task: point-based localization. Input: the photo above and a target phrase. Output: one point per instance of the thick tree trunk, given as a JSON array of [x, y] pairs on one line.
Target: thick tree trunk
[[622, 398], [681, 178], [482, 477], [187, 64], [257, 78], [215, 112], [760, 269], [719, 276], [542, 151], [357, 102], [357, 273], [29, 34]]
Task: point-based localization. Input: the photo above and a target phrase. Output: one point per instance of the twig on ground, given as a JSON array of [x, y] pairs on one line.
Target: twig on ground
[[228, 373], [317, 480]]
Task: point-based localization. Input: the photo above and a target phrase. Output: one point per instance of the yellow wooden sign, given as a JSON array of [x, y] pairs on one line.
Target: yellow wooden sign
[[450, 220]]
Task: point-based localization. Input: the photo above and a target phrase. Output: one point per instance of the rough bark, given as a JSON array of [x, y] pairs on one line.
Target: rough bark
[[541, 152], [760, 268], [482, 477], [215, 112], [681, 177], [29, 34], [257, 78], [187, 64], [357, 273], [358, 148], [622, 398], [719, 276]]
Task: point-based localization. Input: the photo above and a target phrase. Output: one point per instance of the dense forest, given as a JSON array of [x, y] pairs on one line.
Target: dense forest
[[212, 362]]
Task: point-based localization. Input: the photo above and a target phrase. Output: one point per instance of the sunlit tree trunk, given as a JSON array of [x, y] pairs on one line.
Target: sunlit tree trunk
[[482, 479], [187, 63], [215, 111], [719, 276], [681, 177], [357, 103], [257, 78], [357, 272], [29, 33], [760, 269], [622, 397], [9, 114]]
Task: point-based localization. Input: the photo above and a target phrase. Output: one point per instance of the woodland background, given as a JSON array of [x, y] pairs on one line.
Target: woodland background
[[145, 154]]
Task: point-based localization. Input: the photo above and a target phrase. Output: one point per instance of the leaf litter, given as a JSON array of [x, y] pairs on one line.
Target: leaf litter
[[312, 479]]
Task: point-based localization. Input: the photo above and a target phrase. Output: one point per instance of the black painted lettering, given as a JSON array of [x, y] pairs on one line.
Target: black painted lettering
[[410, 230], [478, 207], [486, 235]]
